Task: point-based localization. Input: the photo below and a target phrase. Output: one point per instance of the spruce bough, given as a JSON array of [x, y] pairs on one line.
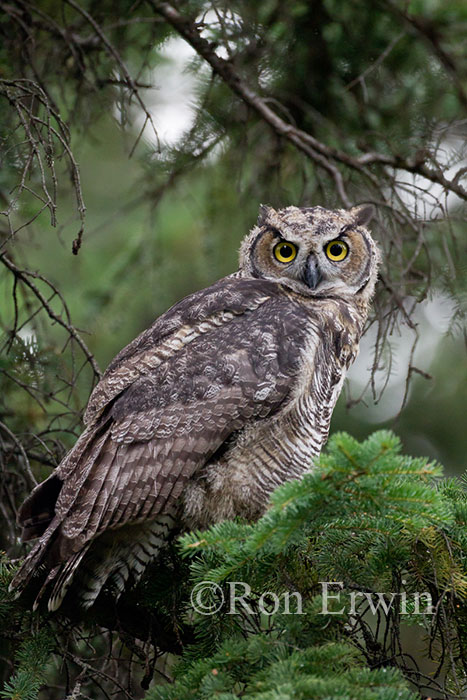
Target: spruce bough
[[378, 526], [369, 517]]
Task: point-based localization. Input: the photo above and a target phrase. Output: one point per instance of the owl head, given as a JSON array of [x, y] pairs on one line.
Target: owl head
[[314, 251]]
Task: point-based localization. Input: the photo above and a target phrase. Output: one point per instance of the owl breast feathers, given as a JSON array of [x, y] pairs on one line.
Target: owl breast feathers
[[227, 395]]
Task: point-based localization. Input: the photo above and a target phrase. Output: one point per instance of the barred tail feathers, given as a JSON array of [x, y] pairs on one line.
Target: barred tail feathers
[[34, 564], [119, 558]]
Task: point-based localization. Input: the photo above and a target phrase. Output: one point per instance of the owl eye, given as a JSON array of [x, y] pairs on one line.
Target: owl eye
[[285, 252], [337, 250]]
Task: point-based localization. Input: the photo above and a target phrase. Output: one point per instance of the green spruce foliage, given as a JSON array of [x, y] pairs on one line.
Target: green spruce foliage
[[367, 518], [320, 599], [32, 657], [34, 644]]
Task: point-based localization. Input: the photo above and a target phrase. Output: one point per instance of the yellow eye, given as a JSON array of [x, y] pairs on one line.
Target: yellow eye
[[337, 250], [285, 252]]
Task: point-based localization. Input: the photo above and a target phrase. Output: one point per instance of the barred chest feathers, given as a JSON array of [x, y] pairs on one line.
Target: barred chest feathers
[[268, 452]]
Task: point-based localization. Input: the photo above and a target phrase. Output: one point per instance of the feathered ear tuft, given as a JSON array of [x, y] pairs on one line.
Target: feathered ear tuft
[[264, 211], [362, 214]]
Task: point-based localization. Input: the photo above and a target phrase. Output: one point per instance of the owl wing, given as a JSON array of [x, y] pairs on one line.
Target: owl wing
[[166, 404]]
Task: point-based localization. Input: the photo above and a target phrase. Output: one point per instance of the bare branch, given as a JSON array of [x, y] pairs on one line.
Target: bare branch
[[24, 276]]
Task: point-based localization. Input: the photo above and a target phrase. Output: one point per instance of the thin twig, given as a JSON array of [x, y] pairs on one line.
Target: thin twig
[[24, 276]]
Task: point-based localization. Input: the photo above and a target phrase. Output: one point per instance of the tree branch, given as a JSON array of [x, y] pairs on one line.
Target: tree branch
[[317, 151]]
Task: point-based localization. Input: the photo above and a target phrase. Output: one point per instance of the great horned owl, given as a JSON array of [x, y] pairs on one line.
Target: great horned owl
[[227, 395]]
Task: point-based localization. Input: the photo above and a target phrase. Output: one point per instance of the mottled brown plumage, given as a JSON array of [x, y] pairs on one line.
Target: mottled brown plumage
[[227, 395]]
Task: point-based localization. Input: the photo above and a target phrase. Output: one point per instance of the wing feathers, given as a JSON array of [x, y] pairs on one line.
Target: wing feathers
[[174, 330], [166, 404]]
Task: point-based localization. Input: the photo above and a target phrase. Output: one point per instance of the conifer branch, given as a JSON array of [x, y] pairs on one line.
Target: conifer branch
[[324, 156]]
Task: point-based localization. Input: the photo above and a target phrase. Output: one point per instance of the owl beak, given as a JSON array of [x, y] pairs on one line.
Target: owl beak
[[312, 272]]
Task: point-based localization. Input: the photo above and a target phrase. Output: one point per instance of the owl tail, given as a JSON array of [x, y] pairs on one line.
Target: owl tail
[[37, 519], [44, 566], [113, 560], [63, 576], [60, 577], [53, 580], [117, 559], [34, 566]]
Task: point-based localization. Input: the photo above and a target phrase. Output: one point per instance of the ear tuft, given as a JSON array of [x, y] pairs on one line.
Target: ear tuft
[[363, 214], [264, 211]]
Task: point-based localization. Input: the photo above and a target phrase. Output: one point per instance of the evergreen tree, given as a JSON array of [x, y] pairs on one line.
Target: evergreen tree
[[317, 102]]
